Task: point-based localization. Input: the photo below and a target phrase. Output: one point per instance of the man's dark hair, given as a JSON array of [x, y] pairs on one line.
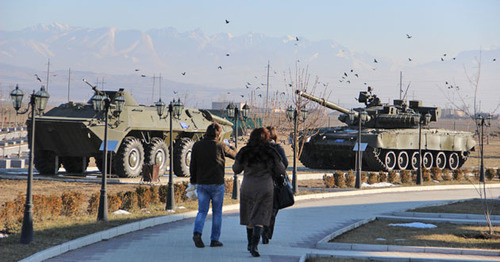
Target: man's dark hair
[[213, 130], [273, 134]]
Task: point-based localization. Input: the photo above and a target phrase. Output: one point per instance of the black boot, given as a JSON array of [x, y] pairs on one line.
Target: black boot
[[197, 240], [249, 238], [265, 235], [257, 232]]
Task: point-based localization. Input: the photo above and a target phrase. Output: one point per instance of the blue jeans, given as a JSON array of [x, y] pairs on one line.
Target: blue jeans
[[205, 194]]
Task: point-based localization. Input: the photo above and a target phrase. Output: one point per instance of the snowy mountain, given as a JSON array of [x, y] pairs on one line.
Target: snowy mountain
[[200, 66]]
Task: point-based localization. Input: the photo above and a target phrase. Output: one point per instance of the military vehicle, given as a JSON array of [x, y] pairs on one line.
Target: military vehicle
[[72, 133], [391, 135]]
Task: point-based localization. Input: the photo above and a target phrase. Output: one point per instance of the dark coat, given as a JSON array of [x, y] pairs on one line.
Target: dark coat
[[208, 161], [256, 196]]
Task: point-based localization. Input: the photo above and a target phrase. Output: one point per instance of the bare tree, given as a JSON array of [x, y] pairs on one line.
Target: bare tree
[[461, 100]]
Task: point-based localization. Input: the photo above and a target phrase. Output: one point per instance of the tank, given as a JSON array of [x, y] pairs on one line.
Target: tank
[[391, 135], [72, 133]]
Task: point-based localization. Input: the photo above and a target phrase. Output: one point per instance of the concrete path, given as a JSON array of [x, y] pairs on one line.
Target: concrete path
[[297, 231]]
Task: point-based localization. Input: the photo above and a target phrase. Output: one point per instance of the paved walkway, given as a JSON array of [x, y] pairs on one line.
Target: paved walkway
[[297, 231]]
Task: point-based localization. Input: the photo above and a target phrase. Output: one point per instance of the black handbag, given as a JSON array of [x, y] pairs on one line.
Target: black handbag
[[283, 193]]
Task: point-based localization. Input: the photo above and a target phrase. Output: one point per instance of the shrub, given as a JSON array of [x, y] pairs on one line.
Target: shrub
[[180, 191], [405, 176], [114, 202], [458, 174], [372, 178], [350, 178], [490, 173], [447, 175], [46, 206], [143, 196], [11, 214], [228, 184], [93, 203], [393, 177], [426, 175], [162, 190], [72, 203], [436, 173], [130, 201], [154, 195], [364, 178], [382, 176], [328, 181], [339, 179]]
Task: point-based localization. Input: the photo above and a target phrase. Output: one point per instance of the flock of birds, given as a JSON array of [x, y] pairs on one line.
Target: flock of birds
[[346, 77]]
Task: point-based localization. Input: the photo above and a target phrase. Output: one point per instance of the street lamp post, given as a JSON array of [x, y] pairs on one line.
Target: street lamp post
[[361, 118], [101, 104], [292, 115], [38, 101], [422, 120], [174, 110], [481, 121], [234, 113]]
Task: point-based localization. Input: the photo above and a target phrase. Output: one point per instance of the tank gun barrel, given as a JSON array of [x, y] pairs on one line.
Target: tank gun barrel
[[325, 103]]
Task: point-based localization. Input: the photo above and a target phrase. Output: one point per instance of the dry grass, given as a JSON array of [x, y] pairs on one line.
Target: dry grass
[[467, 207], [444, 235]]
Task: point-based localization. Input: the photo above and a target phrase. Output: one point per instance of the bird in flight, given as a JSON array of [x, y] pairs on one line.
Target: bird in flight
[[494, 59], [375, 61], [259, 95], [242, 95], [183, 73], [345, 73], [356, 75], [220, 67], [409, 59], [227, 21], [297, 38], [143, 75], [137, 69], [227, 54], [408, 36], [442, 59], [38, 78]]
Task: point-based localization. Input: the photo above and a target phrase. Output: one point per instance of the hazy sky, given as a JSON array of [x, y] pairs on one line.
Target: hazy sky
[[375, 27]]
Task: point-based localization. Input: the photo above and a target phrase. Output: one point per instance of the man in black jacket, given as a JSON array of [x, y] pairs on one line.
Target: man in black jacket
[[207, 173]]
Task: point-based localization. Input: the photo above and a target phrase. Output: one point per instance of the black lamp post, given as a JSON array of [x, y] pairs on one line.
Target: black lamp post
[[362, 117], [292, 115], [422, 120], [174, 109], [101, 104], [234, 113], [38, 101], [481, 122]]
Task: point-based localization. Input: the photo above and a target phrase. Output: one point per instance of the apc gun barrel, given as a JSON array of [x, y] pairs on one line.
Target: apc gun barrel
[[325, 103]]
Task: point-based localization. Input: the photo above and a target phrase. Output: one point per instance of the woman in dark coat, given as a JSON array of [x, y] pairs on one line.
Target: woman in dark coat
[[273, 142], [260, 163]]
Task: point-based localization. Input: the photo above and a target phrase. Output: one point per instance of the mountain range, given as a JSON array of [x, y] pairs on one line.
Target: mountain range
[[201, 68]]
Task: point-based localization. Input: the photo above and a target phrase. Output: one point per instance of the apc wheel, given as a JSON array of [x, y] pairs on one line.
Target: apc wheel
[[157, 154], [403, 160], [182, 156], [75, 164], [129, 158], [427, 160], [45, 162], [440, 160], [390, 160], [414, 160], [453, 161]]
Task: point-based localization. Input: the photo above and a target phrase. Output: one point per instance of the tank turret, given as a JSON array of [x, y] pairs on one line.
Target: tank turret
[[397, 115]]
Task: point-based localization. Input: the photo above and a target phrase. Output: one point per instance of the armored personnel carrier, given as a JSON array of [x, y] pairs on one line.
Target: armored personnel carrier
[[391, 135], [72, 133]]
